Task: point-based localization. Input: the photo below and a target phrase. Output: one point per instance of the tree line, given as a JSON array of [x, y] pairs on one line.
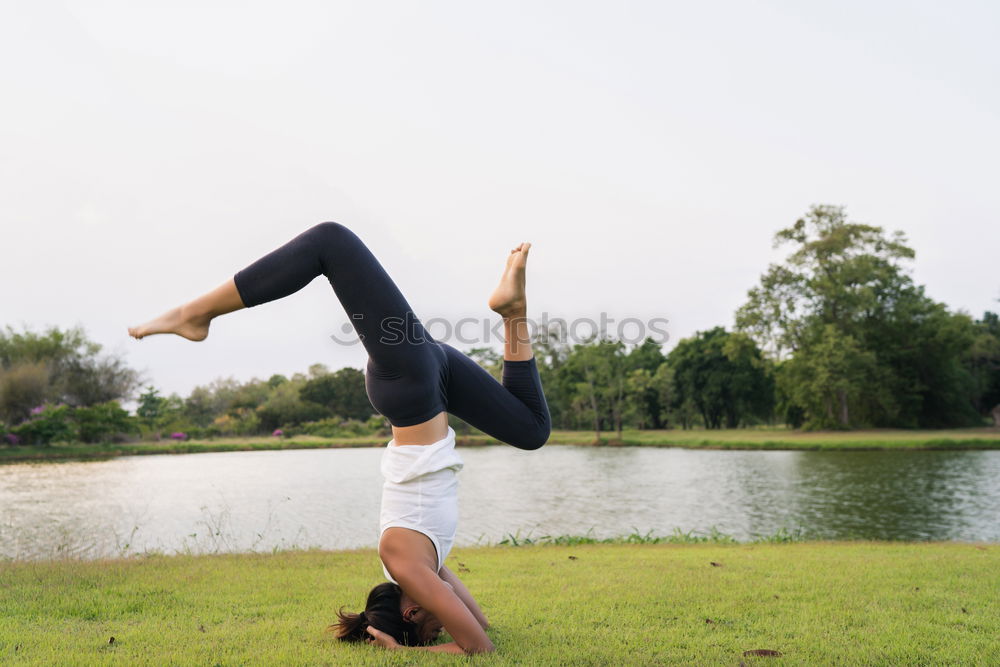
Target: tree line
[[835, 336]]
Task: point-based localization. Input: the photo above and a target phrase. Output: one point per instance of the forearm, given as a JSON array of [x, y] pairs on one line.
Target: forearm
[[465, 596], [450, 647]]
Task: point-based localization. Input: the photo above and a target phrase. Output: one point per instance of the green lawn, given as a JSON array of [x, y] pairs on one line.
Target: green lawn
[[970, 438], [817, 603]]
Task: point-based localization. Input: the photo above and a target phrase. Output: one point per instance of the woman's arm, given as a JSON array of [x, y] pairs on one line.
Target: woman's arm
[[464, 595], [429, 590], [380, 638]]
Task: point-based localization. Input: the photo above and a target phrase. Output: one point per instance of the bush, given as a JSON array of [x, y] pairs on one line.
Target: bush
[[47, 424], [242, 421], [103, 421], [199, 433], [333, 427], [379, 425]]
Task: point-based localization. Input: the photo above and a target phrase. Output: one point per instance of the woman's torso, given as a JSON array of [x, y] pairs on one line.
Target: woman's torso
[[420, 491]]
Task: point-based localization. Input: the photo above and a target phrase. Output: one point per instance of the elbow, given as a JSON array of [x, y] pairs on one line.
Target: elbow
[[486, 647]]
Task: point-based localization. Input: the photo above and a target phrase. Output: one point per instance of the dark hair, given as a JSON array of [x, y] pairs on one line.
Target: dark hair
[[382, 613]]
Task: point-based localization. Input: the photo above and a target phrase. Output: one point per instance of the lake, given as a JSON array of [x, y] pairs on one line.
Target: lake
[[329, 498]]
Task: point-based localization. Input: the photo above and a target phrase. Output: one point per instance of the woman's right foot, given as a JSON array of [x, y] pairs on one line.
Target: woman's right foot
[[508, 299], [177, 321]]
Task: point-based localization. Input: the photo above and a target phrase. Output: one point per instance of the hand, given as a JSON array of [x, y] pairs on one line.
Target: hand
[[379, 638]]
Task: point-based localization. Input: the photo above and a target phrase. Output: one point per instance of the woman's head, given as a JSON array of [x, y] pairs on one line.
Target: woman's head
[[389, 609]]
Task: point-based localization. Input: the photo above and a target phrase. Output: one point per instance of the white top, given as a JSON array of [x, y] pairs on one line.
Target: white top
[[421, 492]]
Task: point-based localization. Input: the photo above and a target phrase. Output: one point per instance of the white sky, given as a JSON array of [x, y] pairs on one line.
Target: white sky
[[648, 150]]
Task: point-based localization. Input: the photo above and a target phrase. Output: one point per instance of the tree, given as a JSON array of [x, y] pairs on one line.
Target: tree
[[77, 375], [861, 344], [663, 384], [151, 406], [206, 403], [827, 376], [95, 381], [342, 393], [723, 375], [161, 413], [921, 350], [285, 406], [23, 386], [551, 349], [639, 387], [841, 273], [600, 388], [644, 394], [983, 362]]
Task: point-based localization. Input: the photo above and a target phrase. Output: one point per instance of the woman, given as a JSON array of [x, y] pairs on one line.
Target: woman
[[414, 381]]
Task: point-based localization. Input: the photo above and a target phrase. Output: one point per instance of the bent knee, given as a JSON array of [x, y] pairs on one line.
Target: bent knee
[[535, 439], [330, 228]]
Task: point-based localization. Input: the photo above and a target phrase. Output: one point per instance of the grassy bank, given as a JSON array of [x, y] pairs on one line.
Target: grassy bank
[[816, 603], [972, 438]]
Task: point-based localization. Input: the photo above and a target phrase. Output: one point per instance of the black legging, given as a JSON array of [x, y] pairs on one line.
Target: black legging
[[410, 377]]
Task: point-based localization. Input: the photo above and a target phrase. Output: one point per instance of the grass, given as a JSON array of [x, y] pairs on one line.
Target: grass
[[882, 439], [817, 603], [770, 438]]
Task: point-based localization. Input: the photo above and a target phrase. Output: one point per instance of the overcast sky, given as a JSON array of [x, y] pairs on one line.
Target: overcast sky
[[648, 150]]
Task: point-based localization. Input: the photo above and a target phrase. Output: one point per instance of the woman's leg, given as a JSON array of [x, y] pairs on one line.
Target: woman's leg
[[514, 410], [407, 369], [411, 379]]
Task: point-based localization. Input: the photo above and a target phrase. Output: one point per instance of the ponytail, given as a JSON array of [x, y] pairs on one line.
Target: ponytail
[[350, 627], [381, 612]]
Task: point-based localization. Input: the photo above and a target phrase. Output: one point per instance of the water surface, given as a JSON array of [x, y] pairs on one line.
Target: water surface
[[238, 501]]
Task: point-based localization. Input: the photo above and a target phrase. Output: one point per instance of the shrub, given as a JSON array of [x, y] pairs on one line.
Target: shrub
[[334, 427], [6, 437], [242, 421], [50, 424], [103, 421], [198, 433]]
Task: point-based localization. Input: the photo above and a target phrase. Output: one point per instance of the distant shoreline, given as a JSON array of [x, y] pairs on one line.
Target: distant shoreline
[[733, 439]]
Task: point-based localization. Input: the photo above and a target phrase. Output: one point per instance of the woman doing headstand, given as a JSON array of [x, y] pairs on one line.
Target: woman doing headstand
[[414, 381]]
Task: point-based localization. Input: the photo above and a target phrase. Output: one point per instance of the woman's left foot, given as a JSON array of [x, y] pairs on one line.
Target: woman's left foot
[[177, 321], [509, 299]]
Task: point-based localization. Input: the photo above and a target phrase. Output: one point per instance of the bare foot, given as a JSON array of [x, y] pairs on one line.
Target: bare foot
[[176, 321], [509, 299]]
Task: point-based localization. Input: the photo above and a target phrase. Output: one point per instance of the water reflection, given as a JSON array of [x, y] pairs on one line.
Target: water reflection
[[329, 498]]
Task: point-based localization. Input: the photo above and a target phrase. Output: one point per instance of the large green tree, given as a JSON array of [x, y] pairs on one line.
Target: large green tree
[[839, 273], [861, 344], [724, 376]]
